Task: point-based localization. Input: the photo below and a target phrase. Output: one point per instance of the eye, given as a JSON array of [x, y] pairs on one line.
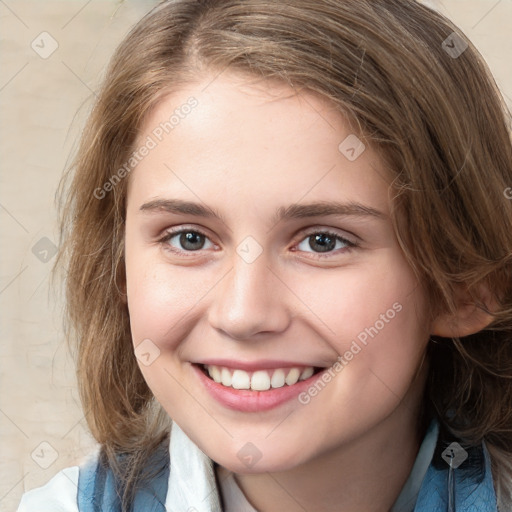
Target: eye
[[189, 240], [325, 242]]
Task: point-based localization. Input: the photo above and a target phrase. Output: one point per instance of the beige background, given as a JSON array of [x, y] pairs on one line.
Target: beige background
[[44, 100]]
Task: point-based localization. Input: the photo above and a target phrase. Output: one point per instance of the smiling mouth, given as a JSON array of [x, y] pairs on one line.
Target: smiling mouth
[[260, 380]]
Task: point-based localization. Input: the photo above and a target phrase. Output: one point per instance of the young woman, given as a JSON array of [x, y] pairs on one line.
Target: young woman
[[288, 242]]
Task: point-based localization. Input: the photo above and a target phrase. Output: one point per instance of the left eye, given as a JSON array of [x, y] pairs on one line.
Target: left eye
[[325, 242], [319, 241]]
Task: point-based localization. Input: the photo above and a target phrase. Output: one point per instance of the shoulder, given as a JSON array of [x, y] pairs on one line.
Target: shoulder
[[58, 495]]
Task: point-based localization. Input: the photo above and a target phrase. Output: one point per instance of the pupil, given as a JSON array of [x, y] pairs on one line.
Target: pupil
[[188, 240], [321, 240]]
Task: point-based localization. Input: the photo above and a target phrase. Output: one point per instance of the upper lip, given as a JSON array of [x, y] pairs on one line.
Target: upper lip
[[262, 364]]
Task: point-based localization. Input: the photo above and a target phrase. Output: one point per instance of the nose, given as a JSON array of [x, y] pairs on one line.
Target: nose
[[250, 300]]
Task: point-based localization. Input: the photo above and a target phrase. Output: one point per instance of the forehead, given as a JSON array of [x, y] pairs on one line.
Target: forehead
[[254, 138]]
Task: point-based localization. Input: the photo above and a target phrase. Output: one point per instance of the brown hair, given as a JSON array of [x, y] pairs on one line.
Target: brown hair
[[437, 119]]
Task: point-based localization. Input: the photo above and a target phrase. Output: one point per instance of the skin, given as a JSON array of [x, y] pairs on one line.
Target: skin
[[246, 150]]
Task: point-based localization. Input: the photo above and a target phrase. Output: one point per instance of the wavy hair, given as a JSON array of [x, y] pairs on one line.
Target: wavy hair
[[436, 118]]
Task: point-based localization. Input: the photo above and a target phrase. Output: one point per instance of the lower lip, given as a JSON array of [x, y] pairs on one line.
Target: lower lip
[[246, 400]]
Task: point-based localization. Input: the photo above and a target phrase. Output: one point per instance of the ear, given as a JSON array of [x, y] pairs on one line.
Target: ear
[[470, 317]]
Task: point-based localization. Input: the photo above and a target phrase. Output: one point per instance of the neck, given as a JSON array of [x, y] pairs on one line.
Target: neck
[[367, 473]]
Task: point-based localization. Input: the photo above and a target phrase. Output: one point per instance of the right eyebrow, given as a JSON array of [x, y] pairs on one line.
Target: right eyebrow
[[179, 206]]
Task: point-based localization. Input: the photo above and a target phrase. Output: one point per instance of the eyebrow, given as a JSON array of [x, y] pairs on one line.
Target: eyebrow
[[293, 211]]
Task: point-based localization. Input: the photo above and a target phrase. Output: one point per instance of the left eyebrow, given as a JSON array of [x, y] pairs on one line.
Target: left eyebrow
[[293, 211], [326, 209]]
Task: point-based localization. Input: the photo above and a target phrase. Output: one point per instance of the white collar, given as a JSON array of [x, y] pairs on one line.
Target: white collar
[[192, 485]]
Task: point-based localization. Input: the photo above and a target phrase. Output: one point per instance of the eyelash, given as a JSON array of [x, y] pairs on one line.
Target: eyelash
[[349, 245]]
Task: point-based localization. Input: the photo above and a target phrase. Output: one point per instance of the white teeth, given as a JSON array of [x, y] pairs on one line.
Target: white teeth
[[240, 380], [215, 373], [278, 379], [225, 377], [261, 380], [292, 377], [307, 373]]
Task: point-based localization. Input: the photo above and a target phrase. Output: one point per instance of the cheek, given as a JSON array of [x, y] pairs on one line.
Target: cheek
[[375, 318], [395, 343], [348, 301], [161, 299]]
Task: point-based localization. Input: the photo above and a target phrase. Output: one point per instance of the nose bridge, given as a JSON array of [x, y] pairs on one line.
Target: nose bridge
[[250, 299]]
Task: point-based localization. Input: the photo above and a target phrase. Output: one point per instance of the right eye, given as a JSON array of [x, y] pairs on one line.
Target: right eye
[[190, 240]]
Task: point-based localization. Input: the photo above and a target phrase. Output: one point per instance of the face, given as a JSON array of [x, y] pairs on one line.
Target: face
[[230, 264]]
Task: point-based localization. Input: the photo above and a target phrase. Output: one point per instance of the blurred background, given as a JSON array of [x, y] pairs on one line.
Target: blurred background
[[52, 58]]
